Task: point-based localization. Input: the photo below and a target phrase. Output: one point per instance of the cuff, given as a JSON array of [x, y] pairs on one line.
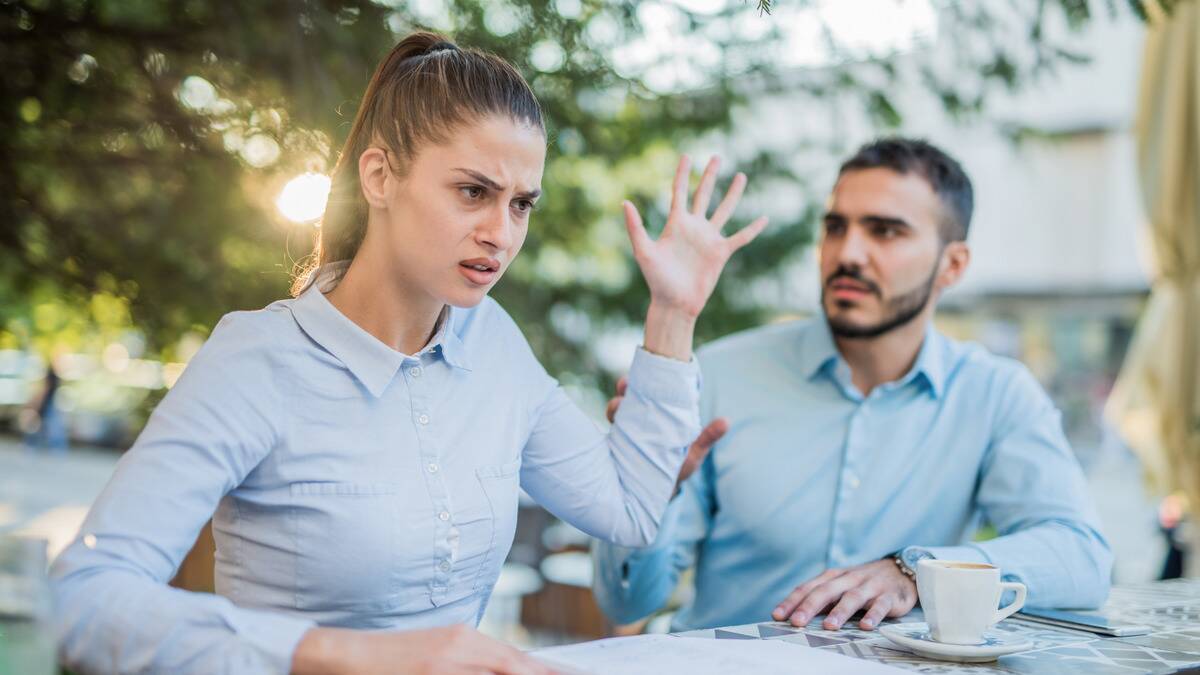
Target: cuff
[[962, 553], [614, 561], [665, 379], [274, 635]]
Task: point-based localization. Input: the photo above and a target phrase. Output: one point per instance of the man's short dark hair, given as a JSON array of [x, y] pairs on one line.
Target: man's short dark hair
[[944, 173]]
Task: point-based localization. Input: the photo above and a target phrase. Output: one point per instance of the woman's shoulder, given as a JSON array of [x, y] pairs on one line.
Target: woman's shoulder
[[251, 339]]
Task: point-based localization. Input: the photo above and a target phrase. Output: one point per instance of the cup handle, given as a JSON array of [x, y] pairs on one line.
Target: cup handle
[[1010, 609]]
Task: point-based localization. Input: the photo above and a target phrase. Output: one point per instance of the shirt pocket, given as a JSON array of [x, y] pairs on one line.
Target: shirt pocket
[[345, 543], [501, 486]]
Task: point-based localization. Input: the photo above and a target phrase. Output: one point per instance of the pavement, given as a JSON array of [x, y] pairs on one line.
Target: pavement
[[48, 495]]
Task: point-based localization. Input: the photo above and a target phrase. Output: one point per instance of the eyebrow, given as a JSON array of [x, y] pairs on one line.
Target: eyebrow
[[886, 220], [493, 185], [870, 219]]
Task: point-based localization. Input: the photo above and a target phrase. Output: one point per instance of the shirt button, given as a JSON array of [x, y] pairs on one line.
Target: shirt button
[[432, 467], [444, 566], [423, 418], [852, 481], [443, 516], [415, 372]]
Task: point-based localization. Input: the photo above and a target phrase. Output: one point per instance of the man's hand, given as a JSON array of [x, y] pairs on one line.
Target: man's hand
[[699, 448], [461, 650], [879, 586]]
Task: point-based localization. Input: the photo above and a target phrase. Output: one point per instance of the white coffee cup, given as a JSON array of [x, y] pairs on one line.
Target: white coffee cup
[[960, 599]]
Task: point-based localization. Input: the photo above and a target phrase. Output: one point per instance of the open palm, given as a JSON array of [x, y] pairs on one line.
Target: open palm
[[682, 266]]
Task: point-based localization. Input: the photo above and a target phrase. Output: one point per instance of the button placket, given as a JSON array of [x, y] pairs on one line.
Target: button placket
[[419, 385], [848, 483]]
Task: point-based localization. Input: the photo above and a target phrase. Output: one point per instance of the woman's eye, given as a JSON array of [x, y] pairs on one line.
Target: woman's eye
[[472, 191], [524, 205]]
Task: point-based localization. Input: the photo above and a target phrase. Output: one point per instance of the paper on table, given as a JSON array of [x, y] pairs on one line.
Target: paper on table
[[665, 654]]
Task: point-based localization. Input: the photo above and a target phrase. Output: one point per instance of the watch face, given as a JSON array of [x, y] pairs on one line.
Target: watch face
[[913, 556]]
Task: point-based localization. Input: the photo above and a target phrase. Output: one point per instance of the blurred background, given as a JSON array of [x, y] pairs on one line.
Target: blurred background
[[163, 162]]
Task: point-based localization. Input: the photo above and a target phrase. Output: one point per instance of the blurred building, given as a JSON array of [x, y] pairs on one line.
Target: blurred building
[[1058, 273]]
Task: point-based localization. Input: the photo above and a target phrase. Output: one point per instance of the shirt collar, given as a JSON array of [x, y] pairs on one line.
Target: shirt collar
[[372, 362], [818, 354], [931, 363], [818, 350], [448, 342]]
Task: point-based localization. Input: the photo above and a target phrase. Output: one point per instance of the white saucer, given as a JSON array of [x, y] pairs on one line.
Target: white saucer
[[916, 638]]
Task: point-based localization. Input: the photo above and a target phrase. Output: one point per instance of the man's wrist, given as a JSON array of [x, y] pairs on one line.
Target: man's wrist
[[908, 558]]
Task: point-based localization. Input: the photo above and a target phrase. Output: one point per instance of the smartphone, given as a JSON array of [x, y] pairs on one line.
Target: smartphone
[[1093, 622]]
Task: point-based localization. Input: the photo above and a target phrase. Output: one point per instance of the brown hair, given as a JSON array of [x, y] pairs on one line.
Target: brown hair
[[422, 90]]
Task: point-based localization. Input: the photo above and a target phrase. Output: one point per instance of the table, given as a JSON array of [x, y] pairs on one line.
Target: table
[[1171, 608]]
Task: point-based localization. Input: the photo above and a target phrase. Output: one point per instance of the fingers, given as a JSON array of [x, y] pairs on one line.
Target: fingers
[[879, 609], [610, 411], [633, 225], [903, 604], [823, 596], [502, 659], [680, 187], [729, 203], [747, 234], [700, 447], [793, 600], [711, 434], [704, 191], [852, 601], [518, 663]]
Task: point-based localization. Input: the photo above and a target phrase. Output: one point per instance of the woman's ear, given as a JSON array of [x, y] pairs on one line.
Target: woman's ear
[[373, 172]]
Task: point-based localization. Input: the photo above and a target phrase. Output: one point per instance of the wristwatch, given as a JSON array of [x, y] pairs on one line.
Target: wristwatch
[[907, 558]]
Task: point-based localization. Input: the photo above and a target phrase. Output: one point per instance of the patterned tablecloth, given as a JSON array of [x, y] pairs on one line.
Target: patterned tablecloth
[[1171, 608]]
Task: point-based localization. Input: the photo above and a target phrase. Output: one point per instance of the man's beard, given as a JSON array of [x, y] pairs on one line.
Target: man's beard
[[899, 311]]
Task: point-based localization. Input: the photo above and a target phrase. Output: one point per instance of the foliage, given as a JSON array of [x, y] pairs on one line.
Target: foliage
[[142, 142]]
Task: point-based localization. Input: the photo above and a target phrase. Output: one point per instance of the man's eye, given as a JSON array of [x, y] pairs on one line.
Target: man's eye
[[472, 191], [524, 205]]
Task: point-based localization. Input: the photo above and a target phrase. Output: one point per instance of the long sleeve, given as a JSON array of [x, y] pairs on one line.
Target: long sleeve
[[115, 612], [615, 486], [1032, 490], [630, 584]]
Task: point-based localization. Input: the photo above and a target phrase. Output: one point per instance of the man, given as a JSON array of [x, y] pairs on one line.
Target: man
[[856, 444]]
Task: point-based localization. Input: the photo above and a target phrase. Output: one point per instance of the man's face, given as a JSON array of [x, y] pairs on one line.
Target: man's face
[[881, 251]]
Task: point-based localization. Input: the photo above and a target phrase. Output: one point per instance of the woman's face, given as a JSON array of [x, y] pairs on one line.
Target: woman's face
[[458, 216]]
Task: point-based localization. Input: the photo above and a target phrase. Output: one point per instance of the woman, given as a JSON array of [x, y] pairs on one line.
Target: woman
[[362, 444]]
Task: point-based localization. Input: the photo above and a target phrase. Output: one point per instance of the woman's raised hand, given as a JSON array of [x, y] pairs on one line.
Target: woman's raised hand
[[682, 266]]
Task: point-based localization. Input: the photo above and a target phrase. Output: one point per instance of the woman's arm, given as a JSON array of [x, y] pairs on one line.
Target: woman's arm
[[115, 612], [616, 486]]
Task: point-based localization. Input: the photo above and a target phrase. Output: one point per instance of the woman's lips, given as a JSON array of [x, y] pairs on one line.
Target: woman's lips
[[480, 271]]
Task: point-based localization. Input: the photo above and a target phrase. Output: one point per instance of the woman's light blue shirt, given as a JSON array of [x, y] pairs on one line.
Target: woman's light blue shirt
[[352, 486]]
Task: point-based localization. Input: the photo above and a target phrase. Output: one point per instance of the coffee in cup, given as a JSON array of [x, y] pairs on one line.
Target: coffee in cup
[[960, 599]]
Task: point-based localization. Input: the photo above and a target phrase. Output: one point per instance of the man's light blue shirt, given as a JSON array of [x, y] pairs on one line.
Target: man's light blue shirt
[[352, 486], [813, 475]]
